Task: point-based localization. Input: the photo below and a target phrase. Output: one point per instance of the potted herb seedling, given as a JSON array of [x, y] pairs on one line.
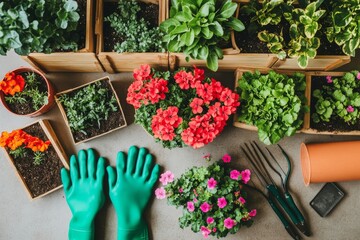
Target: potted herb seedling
[[55, 35], [199, 30], [272, 103], [128, 34], [91, 110], [26, 92], [37, 157]]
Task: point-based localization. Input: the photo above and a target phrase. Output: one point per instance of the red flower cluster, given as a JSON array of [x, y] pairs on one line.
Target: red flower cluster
[[17, 138], [165, 122], [12, 84], [146, 89]]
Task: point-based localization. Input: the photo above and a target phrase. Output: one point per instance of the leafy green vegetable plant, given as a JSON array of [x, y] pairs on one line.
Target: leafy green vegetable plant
[[339, 98], [196, 27], [136, 33], [38, 26], [87, 107], [274, 103]]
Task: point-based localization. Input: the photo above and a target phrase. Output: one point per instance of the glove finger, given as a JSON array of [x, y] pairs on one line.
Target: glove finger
[[111, 177], [82, 163], [120, 164], [140, 161], [65, 179], [154, 175], [131, 160], [147, 166], [74, 172], [100, 171], [91, 163]]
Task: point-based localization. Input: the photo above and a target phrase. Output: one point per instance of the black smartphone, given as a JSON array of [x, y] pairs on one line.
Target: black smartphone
[[326, 199]]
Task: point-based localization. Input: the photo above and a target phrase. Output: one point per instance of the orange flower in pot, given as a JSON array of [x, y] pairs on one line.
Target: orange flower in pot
[[27, 92]]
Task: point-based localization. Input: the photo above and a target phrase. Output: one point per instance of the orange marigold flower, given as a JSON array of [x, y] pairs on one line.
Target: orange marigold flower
[[17, 138], [12, 84]]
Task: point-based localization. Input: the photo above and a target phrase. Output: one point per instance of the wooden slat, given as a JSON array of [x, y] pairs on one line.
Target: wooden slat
[[319, 63]]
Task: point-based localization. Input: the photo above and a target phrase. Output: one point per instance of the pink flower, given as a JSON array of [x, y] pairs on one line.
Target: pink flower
[[166, 177], [196, 105], [252, 213], [328, 79], [242, 200], [234, 174], [190, 206], [226, 158], [205, 207], [195, 200], [229, 223], [207, 157], [222, 202], [214, 229], [181, 190], [358, 76], [210, 220], [350, 109], [160, 193], [245, 175], [211, 183], [205, 231]]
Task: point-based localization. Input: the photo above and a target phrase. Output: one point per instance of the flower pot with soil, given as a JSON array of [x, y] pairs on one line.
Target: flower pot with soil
[[91, 110], [55, 36], [201, 33], [37, 157], [26, 92], [272, 103], [335, 103], [128, 34]]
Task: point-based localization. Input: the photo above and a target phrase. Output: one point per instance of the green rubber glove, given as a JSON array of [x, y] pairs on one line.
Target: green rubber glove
[[84, 193], [130, 191]]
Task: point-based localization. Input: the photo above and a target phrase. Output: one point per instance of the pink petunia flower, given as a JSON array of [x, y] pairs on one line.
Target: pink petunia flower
[[195, 200], [222, 202], [181, 190], [350, 109], [207, 157], [252, 213], [205, 231], [328, 79], [358, 76], [234, 174], [214, 229], [205, 207], [245, 175], [229, 223], [190, 206], [226, 158], [166, 177], [210, 220], [211, 183], [242, 200], [160, 193]]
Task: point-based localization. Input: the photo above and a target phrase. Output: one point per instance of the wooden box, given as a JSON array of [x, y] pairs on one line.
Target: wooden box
[[47, 129], [84, 60], [122, 121], [119, 62]]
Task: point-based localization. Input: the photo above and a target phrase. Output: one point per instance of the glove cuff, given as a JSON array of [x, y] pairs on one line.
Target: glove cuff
[[140, 233], [77, 234]]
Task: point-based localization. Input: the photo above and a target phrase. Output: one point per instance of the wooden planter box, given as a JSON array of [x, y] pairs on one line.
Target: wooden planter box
[[63, 112], [126, 62], [46, 127], [307, 127], [84, 60]]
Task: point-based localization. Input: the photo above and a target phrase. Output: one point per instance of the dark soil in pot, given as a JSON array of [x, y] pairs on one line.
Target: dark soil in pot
[[336, 123], [81, 28], [44, 177]]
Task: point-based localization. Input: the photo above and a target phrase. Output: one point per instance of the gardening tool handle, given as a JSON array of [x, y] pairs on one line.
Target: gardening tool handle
[[291, 203]]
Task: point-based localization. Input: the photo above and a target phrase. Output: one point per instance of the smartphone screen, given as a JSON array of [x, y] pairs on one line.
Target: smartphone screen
[[326, 199]]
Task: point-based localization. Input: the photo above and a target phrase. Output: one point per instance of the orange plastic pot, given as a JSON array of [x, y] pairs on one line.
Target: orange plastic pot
[[330, 162], [50, 91]]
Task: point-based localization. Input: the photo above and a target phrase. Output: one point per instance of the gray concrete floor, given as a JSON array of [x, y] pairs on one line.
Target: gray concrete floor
[[48, 217]]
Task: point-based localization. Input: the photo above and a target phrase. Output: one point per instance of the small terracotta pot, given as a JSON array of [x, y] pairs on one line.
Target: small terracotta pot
[[50, 89], [330, 162]]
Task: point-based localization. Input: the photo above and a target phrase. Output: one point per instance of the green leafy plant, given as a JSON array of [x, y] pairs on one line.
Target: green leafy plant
[[87, 107], [345, 27], [136, 33], [274, 103], [38, 26], [339, 98], [196, 27], [18, 152], [38, 157]]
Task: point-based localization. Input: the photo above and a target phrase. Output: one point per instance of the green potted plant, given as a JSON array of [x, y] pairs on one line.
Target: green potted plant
[[27, 92], [91, 110], [272, 103]]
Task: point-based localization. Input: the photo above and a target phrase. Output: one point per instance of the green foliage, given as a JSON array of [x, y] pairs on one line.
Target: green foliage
[[137, 34], [196, 27], [87, 107], [345, 27], [38, 26], [38, 157], [274, 103], [19, 152], [340, 98]]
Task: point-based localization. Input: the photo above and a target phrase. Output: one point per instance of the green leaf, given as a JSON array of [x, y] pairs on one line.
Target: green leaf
[[168, 23], [228, 9], [180, 29], [342, 18], [189, 39], [311, 53], [310, 9], [303, 61], [204, 52], [236, 24], [311, 29], [212, 62], [205, 9], [70, 5], [24, 19], [74, 16], [305, 20], [217, 29], [263, 36]]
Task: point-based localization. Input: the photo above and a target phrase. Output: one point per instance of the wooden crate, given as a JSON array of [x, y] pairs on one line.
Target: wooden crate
[[49, 132], [84, 60], [63, 112], [119, 62]]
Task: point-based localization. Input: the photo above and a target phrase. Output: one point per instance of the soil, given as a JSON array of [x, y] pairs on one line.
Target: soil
[[44, 177], [27, 108], [150, 12], [336, 123], [115, 120], [81, 28]]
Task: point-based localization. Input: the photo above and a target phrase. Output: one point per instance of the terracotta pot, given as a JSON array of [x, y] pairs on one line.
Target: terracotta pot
[[50, 89], [330, 162]]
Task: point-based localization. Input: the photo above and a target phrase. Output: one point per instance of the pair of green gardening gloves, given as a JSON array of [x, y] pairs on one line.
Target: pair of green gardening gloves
[[130, 187]]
